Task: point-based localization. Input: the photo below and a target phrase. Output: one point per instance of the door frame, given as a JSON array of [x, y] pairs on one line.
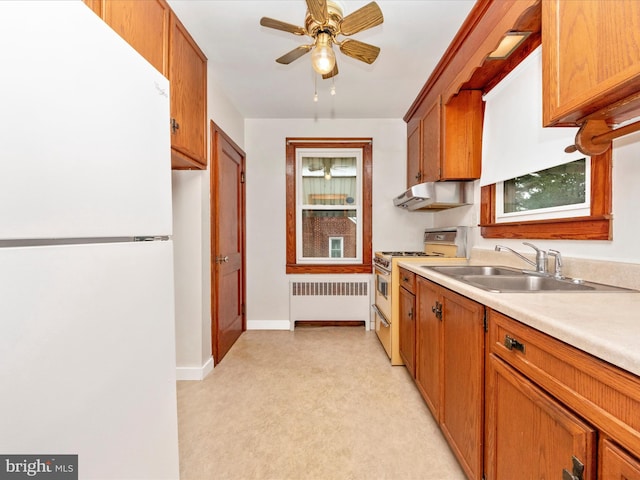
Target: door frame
[[216, 132]]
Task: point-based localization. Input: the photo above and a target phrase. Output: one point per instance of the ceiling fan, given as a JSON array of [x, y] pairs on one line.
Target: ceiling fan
[[324, 22]]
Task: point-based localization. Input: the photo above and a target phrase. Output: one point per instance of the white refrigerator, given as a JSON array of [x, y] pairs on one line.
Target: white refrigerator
[[87, 334]]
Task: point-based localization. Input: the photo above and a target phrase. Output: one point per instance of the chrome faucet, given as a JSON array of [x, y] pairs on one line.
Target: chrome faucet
[[541, 256]]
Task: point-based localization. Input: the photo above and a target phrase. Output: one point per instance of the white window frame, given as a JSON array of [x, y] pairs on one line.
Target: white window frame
[[563, 211], [341, 248], [357, 205]]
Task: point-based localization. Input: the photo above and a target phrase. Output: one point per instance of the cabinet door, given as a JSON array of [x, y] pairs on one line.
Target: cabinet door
[[591, 56], [408, 330], [617, 464], [414, 155], [461, 415], [431, 152], [529, 432], [144, 24], [462, 136], [188, 77], [428, 365]]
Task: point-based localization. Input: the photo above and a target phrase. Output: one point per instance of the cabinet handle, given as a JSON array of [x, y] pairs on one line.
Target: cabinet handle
[[513, 344], [410, 314], [418, 175], [174, 126], [437, 310], [578, 470]]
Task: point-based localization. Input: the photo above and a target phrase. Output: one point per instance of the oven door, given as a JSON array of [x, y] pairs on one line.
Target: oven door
[[382, 309]]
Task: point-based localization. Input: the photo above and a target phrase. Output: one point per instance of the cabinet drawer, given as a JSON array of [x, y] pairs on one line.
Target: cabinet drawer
[[607, 396], [408, 280]]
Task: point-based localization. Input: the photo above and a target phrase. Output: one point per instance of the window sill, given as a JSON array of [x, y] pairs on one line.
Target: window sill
[[575, 228], [327, 268]]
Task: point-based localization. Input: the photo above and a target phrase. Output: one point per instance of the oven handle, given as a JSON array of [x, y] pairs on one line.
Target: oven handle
[[383, 320]]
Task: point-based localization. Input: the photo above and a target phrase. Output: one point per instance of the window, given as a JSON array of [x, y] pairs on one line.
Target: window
[[591, 221], [329, 205], [555, 192], [336, 247]]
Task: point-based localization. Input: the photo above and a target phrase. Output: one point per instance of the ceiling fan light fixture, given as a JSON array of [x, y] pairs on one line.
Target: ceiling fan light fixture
[[323, 58]]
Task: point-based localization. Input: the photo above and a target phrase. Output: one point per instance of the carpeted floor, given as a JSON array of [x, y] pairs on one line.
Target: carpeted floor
[[318, 403]]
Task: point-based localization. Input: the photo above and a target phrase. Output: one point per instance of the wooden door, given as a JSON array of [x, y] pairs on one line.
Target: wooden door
[[227, 242], [616, 464], [188, 77], [462, 409], [408, 330], [591, 58], [530, 435], [428, 365], [431, 146], [414, 155]]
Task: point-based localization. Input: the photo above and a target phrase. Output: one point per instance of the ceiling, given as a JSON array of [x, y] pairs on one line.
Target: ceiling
[[241, 56]]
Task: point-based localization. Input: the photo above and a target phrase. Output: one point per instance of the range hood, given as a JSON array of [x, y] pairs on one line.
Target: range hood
[[433, 196]]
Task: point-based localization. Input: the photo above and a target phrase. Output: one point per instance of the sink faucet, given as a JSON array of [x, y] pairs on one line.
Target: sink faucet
[[541, 256]]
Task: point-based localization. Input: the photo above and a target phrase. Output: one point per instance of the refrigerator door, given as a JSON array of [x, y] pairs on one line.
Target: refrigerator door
[[84, 129], [87, 357]]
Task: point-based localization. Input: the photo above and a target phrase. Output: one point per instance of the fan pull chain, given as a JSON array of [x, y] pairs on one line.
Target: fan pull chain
[[333, 86], [315, 88]]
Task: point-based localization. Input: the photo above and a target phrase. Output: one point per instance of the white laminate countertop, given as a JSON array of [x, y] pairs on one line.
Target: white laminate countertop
[[604, 324]]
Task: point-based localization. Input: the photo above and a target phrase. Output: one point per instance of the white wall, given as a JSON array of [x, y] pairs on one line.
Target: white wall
[[191, 236], [393, 228]]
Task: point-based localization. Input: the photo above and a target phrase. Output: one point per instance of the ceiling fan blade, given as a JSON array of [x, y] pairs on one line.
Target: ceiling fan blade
[[285, 27], [318, 10], [366, 17], [360, 50], [332, 73], [294, 54]]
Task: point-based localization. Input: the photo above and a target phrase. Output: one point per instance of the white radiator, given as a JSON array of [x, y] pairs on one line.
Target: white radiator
[[331, 299]]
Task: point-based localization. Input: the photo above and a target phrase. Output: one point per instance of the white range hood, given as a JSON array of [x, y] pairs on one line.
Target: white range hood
[[433, 196]]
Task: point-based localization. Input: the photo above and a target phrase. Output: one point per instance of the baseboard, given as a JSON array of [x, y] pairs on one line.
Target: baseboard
[[268, 325], [195, 373]]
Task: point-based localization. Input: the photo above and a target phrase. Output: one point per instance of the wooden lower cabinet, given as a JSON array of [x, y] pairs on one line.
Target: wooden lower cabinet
[[450, 369], [617, 464], [529, 434], [408, 330]]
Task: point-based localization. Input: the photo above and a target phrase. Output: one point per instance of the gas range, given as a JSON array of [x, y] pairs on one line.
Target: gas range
[[383, 259], [440, 245]]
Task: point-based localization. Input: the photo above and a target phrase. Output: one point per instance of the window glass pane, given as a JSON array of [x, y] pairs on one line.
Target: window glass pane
[[329, 181], [318, 226], [335, 247], [554, 187]]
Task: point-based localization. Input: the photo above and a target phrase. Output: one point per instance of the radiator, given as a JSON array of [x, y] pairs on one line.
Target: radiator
[[330, 299]]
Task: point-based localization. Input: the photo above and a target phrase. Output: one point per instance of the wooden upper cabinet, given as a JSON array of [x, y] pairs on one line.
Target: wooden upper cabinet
[[144, 24], [414, 152], [591, 60], [450, 138], [188, 77]]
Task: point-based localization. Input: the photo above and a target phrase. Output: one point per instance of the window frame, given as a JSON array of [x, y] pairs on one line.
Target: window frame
[[365, 144], [596, 226]]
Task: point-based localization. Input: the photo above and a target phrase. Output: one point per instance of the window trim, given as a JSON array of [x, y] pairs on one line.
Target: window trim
[[367, 169], [597, 226]]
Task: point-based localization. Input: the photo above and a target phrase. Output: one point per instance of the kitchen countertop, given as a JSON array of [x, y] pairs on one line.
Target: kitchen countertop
[[603, 324]]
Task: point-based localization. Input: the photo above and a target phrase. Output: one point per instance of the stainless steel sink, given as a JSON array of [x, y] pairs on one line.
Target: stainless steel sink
[[460, 270], [505, 279], [523, 283]]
